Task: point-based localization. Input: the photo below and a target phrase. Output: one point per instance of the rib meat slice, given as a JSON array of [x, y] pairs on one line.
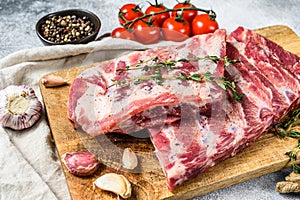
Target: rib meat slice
[[189, 146], [98, 106], [265, 76], [259, 48], [275, 68]]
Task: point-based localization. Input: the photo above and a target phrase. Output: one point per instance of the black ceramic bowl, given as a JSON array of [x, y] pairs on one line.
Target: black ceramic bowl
[[79, 13]]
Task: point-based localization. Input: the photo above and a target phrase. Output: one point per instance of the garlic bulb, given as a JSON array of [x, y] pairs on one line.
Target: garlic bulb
[[81, 163], [115, 183], [129, 159], [19, 107], [53, 80]]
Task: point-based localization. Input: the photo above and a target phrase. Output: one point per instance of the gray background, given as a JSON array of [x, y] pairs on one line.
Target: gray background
[[18, 17], [17, 32]]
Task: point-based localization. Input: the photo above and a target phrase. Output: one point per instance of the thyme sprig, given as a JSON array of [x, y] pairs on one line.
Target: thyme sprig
[[156, 74], [285, 128], [158, 78], [293, 158], [231, 85], [155, 64]]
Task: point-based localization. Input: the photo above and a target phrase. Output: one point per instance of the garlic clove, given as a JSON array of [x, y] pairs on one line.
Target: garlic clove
[[19, 107], [53, 80], [81, 163], [129, 159], [115, 183]]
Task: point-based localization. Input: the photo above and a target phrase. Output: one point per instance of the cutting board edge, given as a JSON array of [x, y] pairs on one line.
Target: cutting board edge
[[233, 181]]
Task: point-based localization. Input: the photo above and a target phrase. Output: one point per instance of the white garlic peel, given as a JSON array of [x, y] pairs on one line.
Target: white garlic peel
[[129, 159], [19, 107], [52, 80], [115, 183]]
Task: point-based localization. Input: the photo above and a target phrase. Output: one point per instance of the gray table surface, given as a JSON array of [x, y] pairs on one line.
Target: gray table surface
[[17, 32]]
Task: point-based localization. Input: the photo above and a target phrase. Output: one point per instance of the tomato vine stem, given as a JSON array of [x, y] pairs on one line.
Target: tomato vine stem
[[129, 23]]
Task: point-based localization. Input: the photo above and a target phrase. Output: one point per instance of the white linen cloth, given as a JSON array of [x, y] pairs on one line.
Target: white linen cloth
[[29, 166]]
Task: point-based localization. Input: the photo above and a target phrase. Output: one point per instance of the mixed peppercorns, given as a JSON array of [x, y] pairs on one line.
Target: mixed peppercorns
[[66, 29]]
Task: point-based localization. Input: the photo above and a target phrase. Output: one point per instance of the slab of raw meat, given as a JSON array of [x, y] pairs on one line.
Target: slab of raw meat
[[189, 146], [98, 106], [192, 130], [266, 76], [274, 68], [260, 48]]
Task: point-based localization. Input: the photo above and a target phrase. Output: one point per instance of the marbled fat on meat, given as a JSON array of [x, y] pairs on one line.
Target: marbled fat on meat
[[103, 107], [266, 75], [192, 125], [187, 147], [275, 67]]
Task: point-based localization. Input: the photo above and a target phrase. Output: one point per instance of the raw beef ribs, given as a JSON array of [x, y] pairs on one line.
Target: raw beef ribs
[[98, 106], [265, 75]]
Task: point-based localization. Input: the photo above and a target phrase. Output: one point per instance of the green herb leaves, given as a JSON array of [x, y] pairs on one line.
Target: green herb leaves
[[156, 71], [196, 77], [231, 85], [285, 128], [293, 157]]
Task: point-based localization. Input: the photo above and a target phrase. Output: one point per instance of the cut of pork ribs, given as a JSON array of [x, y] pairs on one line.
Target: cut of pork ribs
[[192, 125], [254, 44], [189, 146], [267, 78], [276, 69], [98, 105]]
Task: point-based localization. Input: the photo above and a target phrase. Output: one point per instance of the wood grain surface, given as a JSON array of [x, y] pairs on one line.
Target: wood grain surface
[[265, 156]]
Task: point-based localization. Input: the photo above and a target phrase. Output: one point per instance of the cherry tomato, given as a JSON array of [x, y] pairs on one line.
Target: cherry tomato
[[146, 32], [160, 18], [129, 12], [123, 33], [175, 29], [188, 15], [202, 24]]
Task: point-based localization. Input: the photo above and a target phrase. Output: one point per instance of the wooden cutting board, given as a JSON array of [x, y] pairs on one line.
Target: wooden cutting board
[[265, 156]]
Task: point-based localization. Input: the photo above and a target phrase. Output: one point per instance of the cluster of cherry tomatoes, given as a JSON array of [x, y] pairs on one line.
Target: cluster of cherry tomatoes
[[158, 22]]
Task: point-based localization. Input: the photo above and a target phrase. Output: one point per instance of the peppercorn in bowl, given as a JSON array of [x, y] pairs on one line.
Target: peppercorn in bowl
[[74, 26]]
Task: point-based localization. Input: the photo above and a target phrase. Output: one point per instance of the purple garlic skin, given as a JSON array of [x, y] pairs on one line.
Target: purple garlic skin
[[19, 107], [81, 163]]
